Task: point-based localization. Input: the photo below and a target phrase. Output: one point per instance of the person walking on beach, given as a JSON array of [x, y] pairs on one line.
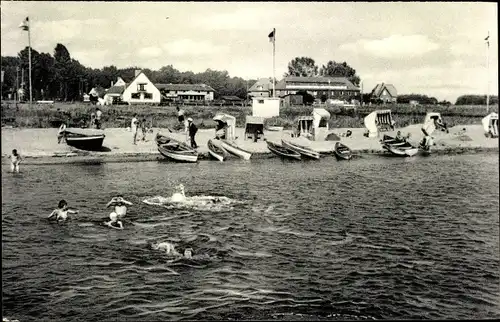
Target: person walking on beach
[[92, 120], [192, 133], [61, 133], [98, 116], [15, 159], [62, 211], [144, 129], [133, 126]]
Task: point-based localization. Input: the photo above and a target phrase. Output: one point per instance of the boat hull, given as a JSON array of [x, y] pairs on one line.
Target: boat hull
[[398, 148], [217, 151], [85, 139], [300, 149], [233, 149], [176, 155], [342, 152], [283, 152]]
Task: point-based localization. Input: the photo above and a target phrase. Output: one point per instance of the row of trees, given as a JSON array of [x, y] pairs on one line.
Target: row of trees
[[62, 77], [306, 67]]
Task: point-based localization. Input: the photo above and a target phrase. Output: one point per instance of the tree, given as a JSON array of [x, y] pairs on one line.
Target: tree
[[475, 100], [334, 69], [302, 66]]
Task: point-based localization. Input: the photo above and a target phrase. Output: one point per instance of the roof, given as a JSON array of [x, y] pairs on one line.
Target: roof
[[321, 112], [281, 85], [377, 91], [226, 118], [254, 119], [184, 87], [264, 82], [116, 90], [99, 90]]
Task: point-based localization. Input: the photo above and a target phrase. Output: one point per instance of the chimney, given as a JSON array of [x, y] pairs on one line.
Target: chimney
[[137, 71]]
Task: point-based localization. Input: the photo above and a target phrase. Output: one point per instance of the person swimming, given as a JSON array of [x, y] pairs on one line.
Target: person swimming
[[120, 206], [114, 222], [179, 196], [62, 211], [169, 249]]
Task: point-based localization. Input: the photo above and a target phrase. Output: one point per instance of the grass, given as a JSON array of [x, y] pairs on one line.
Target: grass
[[77, 114]]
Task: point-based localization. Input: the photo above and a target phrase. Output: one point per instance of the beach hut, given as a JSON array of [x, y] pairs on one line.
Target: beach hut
[[315, 126], [433, 121], [490, 125], [227, 123], [254, 127], [379, 121]]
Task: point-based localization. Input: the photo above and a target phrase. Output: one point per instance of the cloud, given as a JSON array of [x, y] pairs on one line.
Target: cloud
[[189, 47], [240, 19], [150, 52], [395, 46]]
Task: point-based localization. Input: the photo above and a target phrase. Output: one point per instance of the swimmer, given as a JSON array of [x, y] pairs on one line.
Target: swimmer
[[179, 196], [15, 159], [114, 222], [62, 211], [120, 205], [170, 250]]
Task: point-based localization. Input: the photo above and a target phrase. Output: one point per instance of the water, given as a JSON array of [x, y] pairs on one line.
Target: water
[[374, 238]]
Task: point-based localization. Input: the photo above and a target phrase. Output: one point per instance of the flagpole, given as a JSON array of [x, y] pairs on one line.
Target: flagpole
[[29, 61], [488, 74], [274, 62]]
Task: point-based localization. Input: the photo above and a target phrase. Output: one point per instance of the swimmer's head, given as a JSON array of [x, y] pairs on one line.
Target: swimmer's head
[[188, 253], [62, 204], [155, 245], [113, 216]]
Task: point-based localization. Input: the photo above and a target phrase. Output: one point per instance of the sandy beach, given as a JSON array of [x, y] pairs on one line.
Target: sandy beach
[[39, 146]]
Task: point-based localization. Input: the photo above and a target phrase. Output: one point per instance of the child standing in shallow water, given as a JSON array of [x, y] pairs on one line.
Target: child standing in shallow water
[[62, 211], [15, 159], [120, 206]]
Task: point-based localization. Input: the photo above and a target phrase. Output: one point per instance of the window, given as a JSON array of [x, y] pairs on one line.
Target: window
[[136, 96], [261, 102], [148, 96], [141, 87]]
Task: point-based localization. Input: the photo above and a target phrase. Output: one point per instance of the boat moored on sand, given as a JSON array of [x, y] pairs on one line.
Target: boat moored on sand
[[216, 150], [85, 139], [398, 147], [342, 152], [175, 150], [283, 152], [304, 151]]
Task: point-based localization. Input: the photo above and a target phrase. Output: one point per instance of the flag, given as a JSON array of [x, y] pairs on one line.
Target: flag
[[272, 36], [25, 24]]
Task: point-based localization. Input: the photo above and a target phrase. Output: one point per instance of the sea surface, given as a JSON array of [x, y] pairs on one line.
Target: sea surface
[[373, 238]]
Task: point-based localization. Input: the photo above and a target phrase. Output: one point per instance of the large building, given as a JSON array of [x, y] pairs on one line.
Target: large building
[[186, 92], [319, 87]]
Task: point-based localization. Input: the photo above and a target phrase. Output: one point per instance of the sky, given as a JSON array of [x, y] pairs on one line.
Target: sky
[[436, 49]]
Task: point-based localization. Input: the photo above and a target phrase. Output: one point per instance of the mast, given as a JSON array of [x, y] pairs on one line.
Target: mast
[[274, 62], [488, 73]]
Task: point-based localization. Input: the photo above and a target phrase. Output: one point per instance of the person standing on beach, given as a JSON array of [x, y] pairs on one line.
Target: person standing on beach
[[98, 115], [15, 159], [133, 126], [144, 128], [92, 120], [192, 133]]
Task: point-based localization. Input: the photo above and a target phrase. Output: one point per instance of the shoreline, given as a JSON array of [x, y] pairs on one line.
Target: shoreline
[[39, 146]]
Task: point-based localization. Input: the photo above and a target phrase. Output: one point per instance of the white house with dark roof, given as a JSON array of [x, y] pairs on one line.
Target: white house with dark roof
[[186, 92], [141, 90], [261, 88], [330, 87], [384, 92]]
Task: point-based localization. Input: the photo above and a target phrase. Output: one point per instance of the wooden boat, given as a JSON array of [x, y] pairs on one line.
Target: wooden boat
[[175, 150], [398, 147], [85, 139], [216, 150], [234, 149], [282, 151], [300, 149], [342, 152]]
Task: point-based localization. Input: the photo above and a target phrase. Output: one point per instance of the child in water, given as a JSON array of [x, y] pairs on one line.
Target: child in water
[[62, 211], [120, 205], [15, 159], [170, 250], [114, 222]]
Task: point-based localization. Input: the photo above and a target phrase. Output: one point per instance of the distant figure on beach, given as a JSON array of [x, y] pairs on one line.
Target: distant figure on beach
[[114, 222], [61, 133], [180, 114], [192, 133], [92, 120], [399, 136], [15, 159], [144, 129], [98, 116], [120, 206], [348, 133], [62, 211], [220, 130], [133, 126]]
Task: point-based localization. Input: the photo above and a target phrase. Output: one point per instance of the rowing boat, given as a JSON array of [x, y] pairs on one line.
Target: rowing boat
[[232, 148], [216, 150], [301, 149], [282, 151]]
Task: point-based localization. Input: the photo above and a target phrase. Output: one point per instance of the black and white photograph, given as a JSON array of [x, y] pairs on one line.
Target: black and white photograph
[[288, 161]]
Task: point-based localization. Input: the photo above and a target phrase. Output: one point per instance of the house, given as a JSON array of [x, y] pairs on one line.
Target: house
[[384, 93], [320, 87], [261, 88], [141, 90], [186, 92], [114, 94]]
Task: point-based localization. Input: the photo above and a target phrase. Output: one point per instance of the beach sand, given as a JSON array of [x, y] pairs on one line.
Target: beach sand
[[40, 145]]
